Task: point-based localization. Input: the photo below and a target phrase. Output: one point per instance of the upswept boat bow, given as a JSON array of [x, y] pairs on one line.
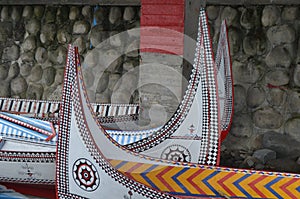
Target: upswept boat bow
[[90, 166]]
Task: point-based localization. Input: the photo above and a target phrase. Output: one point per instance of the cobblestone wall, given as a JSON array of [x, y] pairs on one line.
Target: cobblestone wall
[[33, 43], [264, 43]]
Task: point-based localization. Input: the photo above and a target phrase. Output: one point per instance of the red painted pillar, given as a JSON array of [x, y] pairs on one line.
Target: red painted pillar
[[162, 26]]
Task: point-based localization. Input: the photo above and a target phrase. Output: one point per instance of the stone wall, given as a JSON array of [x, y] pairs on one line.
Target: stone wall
[[266, 72], [33, 46], [264, 43]]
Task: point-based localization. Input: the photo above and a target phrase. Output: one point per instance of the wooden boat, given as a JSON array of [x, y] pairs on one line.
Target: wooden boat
[[190, 125], [49, 110], [90, 164], [225, 82]]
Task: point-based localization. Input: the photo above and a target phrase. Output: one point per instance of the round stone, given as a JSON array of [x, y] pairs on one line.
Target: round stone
[[29, 44], [4, 71], [230, 14], [270, 15], [255, 44], [50, 15], [18, 85], [11, 53], [212, 12], [87, 12], [4, 89], [290, 13], [59, 76], [81, 27], [33, 26], [39, 11], [235, 40], [103, 82], [115, 15], [41, 55], [241, 125], [129, 13], [277, 77], [255, 96], [279, 56], [250, 18], [13, 71], [35, 91], [281, 34], [48, 33], [267, 118], [239, 98], [74, 13], [27, 12], [36, 73], [276, 97], [5, 13], [16, 13], [292, 127], [63, 36], [246, 73], [25, 68], [49, 75], [293, 100]]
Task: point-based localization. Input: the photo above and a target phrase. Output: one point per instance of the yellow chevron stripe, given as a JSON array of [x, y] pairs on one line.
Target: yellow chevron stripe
[[245, 185], [199, 182], [261, 186], [168, 178], [277, 187], [114, 163], [215, 183], [136, 174], [161, 177], [153, 177], [184, 180], [293, 188], [229, 183]]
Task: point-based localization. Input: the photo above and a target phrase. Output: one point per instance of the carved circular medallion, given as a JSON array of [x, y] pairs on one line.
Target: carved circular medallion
[[176, 153], [86, 175]]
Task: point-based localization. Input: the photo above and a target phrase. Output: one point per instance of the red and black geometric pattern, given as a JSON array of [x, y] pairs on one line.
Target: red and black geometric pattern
[[85, 175]]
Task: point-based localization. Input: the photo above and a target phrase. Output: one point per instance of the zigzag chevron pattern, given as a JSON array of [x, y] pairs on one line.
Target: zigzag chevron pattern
[[212, 181]]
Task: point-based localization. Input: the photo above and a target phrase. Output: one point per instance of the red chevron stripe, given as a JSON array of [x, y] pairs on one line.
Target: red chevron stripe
[[253, 183], [283, 187], [134, 167], [160, 177], [130, 171], [190, 180], [222, 180]]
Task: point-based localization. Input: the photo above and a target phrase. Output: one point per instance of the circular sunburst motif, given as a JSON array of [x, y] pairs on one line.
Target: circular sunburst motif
[[176, 153], [85, 175]]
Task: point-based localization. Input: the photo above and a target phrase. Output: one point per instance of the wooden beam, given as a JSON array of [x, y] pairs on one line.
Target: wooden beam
[[72, 2]]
